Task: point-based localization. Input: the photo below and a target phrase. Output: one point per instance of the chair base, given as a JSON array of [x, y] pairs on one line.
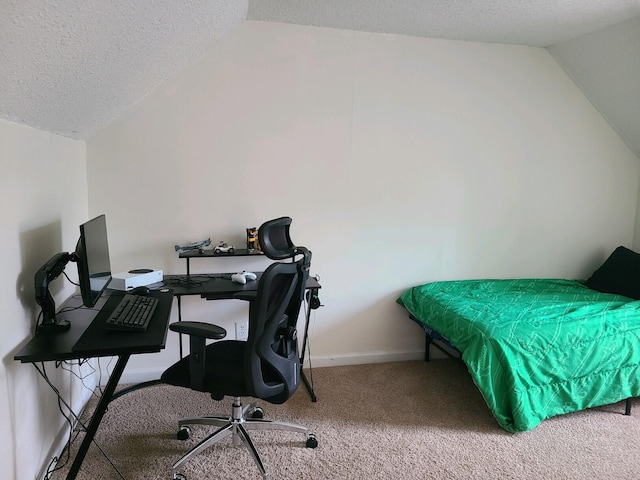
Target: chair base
[[236, 426]]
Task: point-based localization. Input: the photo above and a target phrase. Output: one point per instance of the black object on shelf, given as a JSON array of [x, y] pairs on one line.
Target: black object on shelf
[[238, 252]]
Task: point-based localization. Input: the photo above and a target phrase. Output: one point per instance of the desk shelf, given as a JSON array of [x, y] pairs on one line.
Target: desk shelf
[[239, 252]]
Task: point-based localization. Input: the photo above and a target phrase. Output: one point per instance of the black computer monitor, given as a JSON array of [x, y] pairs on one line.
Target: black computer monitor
[[92, 259], [94, 272]]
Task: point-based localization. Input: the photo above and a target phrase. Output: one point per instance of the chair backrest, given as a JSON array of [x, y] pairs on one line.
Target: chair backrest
[[272, 360], [275, 240]]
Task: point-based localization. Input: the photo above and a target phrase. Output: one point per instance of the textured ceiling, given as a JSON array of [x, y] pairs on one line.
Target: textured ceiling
[[72, 67]]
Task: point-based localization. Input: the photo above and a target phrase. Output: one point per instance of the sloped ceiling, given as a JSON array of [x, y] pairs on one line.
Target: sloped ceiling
[[537, 23], [606, 66], [72, 68]]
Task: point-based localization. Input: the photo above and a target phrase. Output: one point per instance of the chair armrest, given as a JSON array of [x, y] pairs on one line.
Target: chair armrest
[[199, 329], [249, 296]]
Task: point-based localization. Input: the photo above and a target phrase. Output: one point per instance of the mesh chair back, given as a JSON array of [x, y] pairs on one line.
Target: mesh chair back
[[272, 361]]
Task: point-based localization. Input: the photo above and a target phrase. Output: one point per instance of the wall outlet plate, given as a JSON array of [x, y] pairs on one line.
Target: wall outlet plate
[[242, 330]]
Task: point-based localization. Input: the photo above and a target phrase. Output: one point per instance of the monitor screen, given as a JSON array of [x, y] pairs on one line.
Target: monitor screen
[[92, 258]]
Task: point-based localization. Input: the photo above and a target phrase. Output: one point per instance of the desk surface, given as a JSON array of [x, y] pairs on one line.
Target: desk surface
[[213, 286], [88, 336]]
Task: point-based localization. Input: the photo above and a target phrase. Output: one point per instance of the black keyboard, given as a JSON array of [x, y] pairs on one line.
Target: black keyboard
[[132, 314]]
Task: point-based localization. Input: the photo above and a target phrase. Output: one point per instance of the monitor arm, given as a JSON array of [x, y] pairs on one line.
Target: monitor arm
[[48, 272]]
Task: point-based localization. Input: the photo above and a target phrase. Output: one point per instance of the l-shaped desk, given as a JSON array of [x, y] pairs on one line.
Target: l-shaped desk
[[88, 337]]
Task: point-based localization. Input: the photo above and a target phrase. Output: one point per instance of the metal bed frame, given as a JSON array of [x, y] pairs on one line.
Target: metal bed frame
[[445, 346]]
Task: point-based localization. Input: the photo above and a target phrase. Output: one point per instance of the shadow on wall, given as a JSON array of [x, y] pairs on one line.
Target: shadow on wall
[[37, 246]]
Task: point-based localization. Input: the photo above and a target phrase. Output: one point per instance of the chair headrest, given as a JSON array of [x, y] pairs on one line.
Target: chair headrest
[[274, 239]]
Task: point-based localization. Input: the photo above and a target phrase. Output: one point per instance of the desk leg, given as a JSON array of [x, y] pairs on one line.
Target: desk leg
[[180, 319], [309, 386], [97, 415], [306, 382]]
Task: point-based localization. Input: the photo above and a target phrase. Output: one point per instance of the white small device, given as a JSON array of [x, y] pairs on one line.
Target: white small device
[[135, 278]]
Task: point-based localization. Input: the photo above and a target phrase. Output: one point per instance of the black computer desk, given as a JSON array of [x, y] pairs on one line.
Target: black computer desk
[[88, 338], [218, 286]]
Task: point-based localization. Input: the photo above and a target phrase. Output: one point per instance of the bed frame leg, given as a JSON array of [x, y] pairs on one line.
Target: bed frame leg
[[627, 410], [427, 348]]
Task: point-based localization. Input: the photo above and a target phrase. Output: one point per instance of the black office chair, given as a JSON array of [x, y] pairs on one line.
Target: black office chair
[[266, 366]]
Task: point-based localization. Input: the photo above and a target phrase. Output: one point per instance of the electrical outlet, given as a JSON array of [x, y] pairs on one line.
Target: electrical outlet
[[242, 330]]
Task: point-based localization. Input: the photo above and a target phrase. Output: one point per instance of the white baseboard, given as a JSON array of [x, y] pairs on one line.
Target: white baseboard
[[362, 358], [149, 374]]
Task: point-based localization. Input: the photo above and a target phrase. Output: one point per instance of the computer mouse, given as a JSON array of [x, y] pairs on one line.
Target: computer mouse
[[144, 291]]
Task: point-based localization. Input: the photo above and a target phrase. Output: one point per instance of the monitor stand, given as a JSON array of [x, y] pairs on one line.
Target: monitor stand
[[54, 326]]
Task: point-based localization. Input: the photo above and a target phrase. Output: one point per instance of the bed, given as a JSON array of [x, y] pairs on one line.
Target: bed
[[537, 348]]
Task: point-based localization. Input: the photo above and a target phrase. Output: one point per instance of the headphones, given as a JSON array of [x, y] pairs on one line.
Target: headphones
[[313, 299]]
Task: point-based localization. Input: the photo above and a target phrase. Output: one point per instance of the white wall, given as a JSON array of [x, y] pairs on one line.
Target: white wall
[[401, 160], [44, 199]]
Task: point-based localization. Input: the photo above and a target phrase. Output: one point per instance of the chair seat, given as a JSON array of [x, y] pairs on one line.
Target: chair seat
[[224, 368]]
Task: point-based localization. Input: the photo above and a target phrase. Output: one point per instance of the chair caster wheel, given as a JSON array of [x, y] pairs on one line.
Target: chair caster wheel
[[179, 476], [312, 441], [257, 413], [183, 434]]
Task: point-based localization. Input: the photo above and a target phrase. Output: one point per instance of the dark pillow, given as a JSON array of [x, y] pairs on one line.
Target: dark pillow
[[619, 274]]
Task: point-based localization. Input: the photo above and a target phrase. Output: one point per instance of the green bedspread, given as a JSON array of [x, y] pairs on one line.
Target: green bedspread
[[536, 348]]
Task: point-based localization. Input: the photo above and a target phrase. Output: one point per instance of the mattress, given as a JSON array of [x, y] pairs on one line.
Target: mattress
[[536, 348]]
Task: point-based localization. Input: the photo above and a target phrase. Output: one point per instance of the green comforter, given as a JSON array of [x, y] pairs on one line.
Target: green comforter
[[536, 348]]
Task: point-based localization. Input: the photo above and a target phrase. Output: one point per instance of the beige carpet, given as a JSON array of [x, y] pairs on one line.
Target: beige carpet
[[408, 420]]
